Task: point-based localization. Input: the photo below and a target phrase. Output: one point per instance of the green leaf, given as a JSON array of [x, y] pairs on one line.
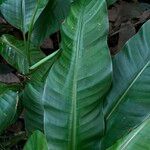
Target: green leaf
[[110, 2], [50, 20], [78, 80], [37, 141], [32, 97], [128, 104], [33, 106], [1, 1], [137, 139], [8, 106], [22, 13], [14, 52]]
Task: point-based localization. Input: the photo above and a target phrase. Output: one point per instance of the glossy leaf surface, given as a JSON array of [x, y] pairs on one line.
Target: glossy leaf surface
[[32, 97], [14, 53], [137, 139], [22, 13], [37, 141], [128, 102], [78, 80], [8, 106], [50, 20]]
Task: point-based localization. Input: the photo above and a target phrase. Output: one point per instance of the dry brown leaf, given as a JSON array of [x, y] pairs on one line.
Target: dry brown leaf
[[9, 78], [127, 30]]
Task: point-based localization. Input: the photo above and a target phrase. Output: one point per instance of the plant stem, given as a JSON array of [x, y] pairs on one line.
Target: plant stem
[[44, 60], [29, 36], [24, 39]]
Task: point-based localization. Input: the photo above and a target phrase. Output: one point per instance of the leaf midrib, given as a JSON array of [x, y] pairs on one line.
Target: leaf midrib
[[126, 91], [77, 48], [136, 133], [4, 39]]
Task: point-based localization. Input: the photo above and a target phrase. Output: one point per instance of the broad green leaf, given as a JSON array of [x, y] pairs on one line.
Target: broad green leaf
[[8, 106], [22, 13], [32, 97], [14, 52], [37, 141], [1, 1], [78, 80], [50, 20], [128, 102], [138, 139], [33, 105], [110, 2]]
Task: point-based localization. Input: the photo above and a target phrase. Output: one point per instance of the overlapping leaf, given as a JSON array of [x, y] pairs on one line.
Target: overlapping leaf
[[110, 2], [32, 97], [50, 20], [128, 102], [137, 139], [22, 13], [14, 52], [78, 80], [8, 106], [37, 141]]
